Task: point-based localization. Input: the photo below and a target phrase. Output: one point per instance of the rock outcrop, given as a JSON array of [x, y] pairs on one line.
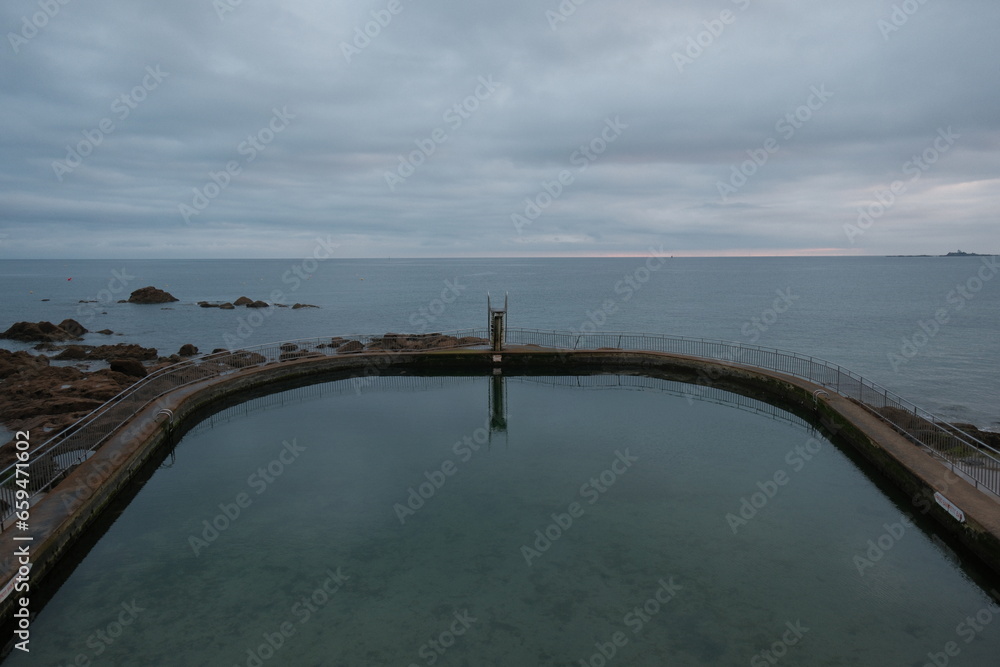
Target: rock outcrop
[[12, 363], [72, 353], [350, 346], [130, 367], [46, 332], [73, 327], [99, 352], [414, 342], [151, 294], [36, 396]]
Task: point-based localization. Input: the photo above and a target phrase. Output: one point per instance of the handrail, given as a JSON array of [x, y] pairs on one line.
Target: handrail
[[57, 456], [978, 460], [67, 449]]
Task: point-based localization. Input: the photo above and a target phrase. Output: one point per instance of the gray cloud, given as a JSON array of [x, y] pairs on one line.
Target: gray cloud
[[695, 105]]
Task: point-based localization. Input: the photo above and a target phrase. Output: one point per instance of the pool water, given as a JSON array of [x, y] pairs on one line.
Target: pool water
[[610, 522]]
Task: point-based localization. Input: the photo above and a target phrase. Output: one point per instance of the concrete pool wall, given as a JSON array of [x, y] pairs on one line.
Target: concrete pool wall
[[63, 516]]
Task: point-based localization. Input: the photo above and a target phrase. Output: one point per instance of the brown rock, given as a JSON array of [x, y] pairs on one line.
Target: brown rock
[[151, 295], [12, 363], [73, 352], [303, 305], [226, 306], [131, 367], [258, 304], [38, 331], [243, 359], [187, 350], [52, 405], [350, 346], [243, 301], [472, 340], [123, 351], [73, 327]]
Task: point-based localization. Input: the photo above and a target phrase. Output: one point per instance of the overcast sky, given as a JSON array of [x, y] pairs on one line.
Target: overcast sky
[[248, 128]]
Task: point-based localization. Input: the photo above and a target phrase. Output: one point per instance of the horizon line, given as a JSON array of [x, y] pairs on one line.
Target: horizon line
[[676, 255]]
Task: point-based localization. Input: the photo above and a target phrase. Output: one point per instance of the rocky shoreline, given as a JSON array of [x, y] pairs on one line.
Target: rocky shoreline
[[42, 395], [63, 380]]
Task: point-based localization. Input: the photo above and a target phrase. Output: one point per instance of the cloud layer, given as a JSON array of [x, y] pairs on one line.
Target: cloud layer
[[246, 128]]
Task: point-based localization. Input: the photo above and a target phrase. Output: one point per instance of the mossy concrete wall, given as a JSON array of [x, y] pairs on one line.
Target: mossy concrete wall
[[63, 515]]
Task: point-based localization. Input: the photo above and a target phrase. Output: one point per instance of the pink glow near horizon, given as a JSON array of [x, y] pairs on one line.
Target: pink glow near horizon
[[732, 252]]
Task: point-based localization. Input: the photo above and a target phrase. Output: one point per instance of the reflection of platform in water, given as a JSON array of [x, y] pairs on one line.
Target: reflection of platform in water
[[498, 404]]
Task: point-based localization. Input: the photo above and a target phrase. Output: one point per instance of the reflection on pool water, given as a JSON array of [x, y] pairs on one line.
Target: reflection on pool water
[[606, 525]]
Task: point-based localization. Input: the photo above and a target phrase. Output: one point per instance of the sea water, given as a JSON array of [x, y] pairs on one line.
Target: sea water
[[926, 328]]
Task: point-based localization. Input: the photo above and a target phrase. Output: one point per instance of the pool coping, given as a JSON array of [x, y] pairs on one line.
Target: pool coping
[[63, 515]]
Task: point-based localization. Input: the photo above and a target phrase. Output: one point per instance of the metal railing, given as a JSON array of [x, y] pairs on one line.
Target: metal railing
[[978, 461], [59, 455], [50, 462]]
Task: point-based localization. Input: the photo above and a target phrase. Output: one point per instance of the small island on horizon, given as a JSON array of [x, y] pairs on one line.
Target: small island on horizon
[[956, 253]]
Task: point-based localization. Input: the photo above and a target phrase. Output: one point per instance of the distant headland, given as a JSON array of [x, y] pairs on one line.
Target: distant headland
[[956, 253]]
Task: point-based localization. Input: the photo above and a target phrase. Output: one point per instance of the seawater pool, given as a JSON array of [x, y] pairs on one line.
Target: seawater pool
[[598, 520]]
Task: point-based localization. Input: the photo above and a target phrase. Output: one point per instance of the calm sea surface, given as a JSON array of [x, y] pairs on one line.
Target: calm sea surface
[[873, 315]]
